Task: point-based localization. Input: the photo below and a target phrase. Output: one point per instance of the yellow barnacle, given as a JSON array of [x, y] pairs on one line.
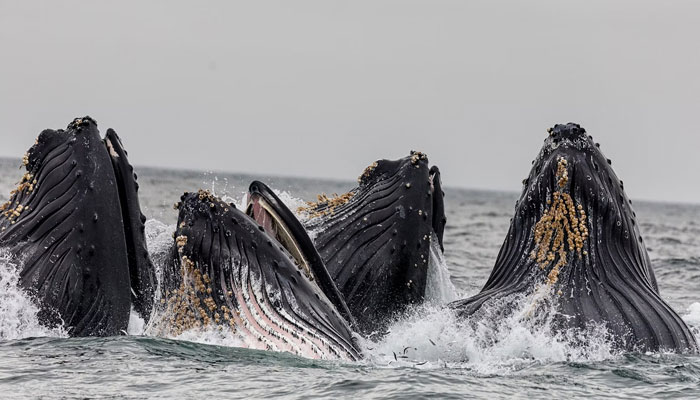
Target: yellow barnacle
[[325, 205], [181, 241], [561, 229]]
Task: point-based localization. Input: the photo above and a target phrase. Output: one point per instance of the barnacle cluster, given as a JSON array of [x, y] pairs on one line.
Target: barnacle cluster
[[192, 305], [26, 185], [417, 156], [561, 230], [367, 172], [325, 205], [205, 195]]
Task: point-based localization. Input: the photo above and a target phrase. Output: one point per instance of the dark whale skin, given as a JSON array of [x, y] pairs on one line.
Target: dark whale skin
[[142, 274], [604, 275], [64, 221], [375, 240]]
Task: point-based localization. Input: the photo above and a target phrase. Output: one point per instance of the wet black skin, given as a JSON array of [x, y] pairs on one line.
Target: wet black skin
[[142, 274], [376, 246], [321, 276], [612, 282], [71, 234], [235, 252]]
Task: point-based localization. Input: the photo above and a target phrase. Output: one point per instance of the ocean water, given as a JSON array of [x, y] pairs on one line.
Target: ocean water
[[427, 354]]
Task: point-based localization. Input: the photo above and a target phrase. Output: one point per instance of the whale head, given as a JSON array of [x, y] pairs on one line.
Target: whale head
[[574, 233], [376, 239]]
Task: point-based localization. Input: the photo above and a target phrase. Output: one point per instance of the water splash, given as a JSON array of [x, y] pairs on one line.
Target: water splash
[[18, 313], [488, 342], [692, 318], [159, 240], [212, 335], [439, 288], [137, 326]]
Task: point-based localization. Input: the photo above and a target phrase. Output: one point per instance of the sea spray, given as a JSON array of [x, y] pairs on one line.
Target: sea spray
[[439, 288], [137, 325], [159, 240], [489, 341], [211, 335], [692, 318], [18, 313]]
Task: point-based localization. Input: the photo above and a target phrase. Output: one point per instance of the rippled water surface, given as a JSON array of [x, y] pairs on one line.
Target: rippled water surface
[[426, 354]]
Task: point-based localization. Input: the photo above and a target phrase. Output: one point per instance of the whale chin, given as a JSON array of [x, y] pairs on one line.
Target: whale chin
[[76, 224], [375, 240], [574, 235]]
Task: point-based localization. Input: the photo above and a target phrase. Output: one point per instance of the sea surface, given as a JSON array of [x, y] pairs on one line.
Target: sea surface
[[427, 354]]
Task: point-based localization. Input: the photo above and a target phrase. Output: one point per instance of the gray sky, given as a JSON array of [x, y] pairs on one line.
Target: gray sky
[[323, 88]]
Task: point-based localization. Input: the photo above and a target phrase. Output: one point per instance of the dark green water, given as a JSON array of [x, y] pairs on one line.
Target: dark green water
[[426, 355]]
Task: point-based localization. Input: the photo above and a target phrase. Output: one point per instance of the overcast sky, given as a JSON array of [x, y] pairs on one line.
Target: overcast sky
[[323, 88]]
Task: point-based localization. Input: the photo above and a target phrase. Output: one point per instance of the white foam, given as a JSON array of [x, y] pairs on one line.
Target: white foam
[[212, 335], [293, 203], [159, 240], [692, 318], [433, 337], [18, 313], [137, 326]]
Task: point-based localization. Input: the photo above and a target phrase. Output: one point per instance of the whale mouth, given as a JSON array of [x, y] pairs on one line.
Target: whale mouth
[[266, 211], [275, 218]]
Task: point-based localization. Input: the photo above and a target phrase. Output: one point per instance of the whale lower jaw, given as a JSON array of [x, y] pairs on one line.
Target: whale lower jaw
[[263, 326]]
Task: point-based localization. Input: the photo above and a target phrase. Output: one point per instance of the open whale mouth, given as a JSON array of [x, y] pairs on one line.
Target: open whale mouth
[[278, 221], [266, 209]]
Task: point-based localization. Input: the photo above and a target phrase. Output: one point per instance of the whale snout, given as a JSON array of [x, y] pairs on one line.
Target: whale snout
[[570, 131]]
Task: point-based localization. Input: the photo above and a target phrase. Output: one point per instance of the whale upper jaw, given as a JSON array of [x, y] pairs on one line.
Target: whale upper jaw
[[72, 223], [574, 233], [279, 222]]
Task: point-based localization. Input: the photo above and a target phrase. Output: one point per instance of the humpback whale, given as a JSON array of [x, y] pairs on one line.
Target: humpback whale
[[76, 224], [227, 271], [575, 238], [375, 240]]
